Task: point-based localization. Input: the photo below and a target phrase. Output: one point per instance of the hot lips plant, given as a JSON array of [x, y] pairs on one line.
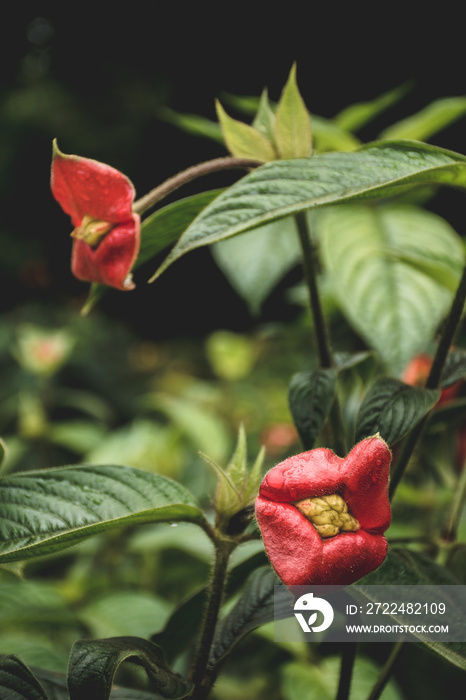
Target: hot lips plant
[[322, 517], [395, 273], [99, 200]]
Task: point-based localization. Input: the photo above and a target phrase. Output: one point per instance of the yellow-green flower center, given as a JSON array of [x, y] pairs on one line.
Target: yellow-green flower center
[[92, 231], [328, 514]]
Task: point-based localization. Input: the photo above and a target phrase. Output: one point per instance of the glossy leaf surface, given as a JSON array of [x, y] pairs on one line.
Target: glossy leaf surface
[[48, 510], [392, 409], [285, 187]]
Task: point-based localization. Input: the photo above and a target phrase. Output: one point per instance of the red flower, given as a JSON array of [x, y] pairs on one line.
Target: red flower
[[322, 517], [99, 200]]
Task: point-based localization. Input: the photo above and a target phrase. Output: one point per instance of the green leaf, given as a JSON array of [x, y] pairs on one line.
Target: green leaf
[[33, 605], [255, 262], [455, 368], [93, 664], [404, 567], [358, 115], [3, 453], [311, 396], [285, 187], [48, 510], [243, 140], [158, 231], [390, 268], [300, 679], [329, 136], [293, 134], [392, 409], [428, 121], [237, 467], [17, 682], [254, 608], [191, 123], [165, 225], [264, 121], [119, 613]]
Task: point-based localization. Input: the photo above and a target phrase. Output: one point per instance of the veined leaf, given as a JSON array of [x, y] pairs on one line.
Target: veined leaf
[[455, 367], [255, 262], [428, 121], [285, 187], [93, 664], [55, 685], [311, 396], [392, 409], [48, 510], [17, 682], [392, 270]]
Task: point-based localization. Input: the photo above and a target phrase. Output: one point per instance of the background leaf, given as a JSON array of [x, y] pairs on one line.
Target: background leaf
[[391, 269], [358, 115], [255, 262], [93, 664], [392, 409], [320, 681], [428, 121], [285, 187], [49, 510]]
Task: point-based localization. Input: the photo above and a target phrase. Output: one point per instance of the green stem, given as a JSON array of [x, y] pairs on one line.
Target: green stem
[[202, 682], [310, 275], [451, 527], [309, 259], [348, 658], [433, 380], [386, 672], [185, 176]]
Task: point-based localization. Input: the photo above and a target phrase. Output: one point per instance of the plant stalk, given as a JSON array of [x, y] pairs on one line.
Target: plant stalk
[[202, 682], [451, 527], [206, 168], [309, 260], [310, 275], [386, 672], [433, 380], [348, 658]]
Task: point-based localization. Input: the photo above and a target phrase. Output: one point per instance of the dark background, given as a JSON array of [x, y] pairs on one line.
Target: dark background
[[95, 80]]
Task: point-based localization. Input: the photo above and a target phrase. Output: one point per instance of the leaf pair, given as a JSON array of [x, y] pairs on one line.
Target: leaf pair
[[285, 133], [93, 664]]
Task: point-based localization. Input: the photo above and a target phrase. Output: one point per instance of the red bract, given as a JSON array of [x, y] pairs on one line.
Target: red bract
[[308, 481], [99, 200]]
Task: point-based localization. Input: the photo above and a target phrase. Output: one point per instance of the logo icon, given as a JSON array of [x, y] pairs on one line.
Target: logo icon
[[309, 604]]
